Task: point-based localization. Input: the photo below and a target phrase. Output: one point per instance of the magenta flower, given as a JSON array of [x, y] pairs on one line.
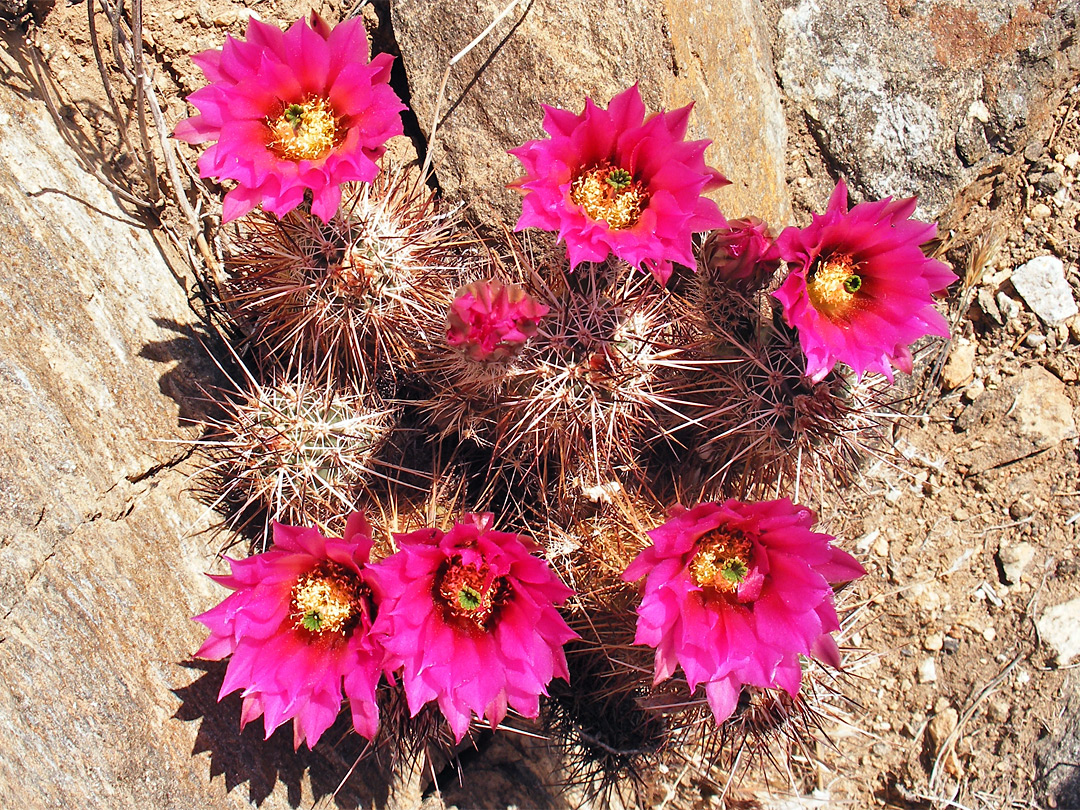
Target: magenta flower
[[860, 290], [298, 624], [612, 181], [470, 616], [735, 592], [490, 321], [292, 111], [741, 256]]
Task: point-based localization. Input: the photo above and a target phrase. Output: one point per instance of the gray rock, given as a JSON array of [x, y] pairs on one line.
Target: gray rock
[[1057, 753], [1027, 414], [1041, 283], [557, 52], [913, 98], [99, 566], [1059, 627]]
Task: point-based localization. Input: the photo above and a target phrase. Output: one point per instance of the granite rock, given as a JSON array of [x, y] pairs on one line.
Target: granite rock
[[101, 564], [558, 52], [916, 97]]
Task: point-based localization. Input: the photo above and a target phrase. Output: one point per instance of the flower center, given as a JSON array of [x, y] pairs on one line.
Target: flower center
[[330, 599], [722, 561], [469, 594], [610, 193], [833, 285], [304, 131]]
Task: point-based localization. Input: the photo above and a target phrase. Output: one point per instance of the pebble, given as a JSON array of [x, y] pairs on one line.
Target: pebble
[[974, 390], [1071, 160], [1008, 308], [1034, 340], [998, 710], [1074, 327], [1021, 508], [1040, 211], [989, 634], [1049, 183], [989, 306], [939, 728], [1015, 559], [1059, 626], [1041, 283], [933, 642], [881, 547], [960, 367], [927, 671]]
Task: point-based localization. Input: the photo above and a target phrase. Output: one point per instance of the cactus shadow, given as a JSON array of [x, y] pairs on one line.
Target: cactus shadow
[[268, 765]]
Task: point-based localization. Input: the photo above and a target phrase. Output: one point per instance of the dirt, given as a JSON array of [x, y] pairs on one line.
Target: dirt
[[953, 697]]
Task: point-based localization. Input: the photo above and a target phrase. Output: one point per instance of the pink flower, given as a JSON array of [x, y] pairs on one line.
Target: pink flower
[[860, 289], [489, 321], [735, 592], [290, 112], [470, 616], [741, 256], [298, 624], [612, 181]]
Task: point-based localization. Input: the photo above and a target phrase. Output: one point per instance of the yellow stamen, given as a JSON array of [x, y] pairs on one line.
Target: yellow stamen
[[833, 286], [611, 194], [305, 131], [326, 601], [722, 561]]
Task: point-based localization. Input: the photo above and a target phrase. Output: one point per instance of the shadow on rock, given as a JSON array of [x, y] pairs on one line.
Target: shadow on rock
[[191, 381], [244, 756]]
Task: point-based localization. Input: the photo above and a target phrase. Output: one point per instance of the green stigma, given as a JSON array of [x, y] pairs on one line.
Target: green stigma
[[294, 113], [853, 283], [619, 179], [734, 571], [469, 598], [312, 621]]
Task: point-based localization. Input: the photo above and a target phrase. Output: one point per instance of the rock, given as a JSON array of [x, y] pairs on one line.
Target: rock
[[998, 710], [911, 98], [974, 391], [100, 560], [1015, 559], [1027, 414], [1021, 508], [1040, 211], [938, 730], [1059, 626], [1058, 748], [988, 305], [1041, 283], [1008, 307], [933, 642], [1049, 183], [557, 52], [960, 367], [927, 671]]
